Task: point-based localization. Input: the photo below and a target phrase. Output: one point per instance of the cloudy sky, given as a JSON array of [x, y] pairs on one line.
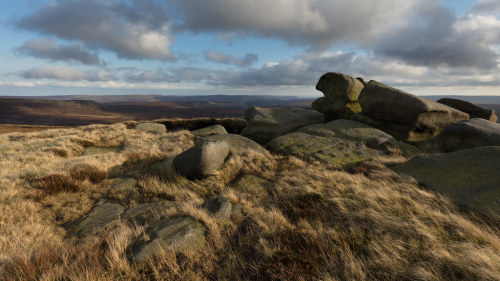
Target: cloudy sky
[[185, 47]]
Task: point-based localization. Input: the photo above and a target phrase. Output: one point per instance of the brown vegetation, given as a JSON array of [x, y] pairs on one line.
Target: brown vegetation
[[311, 223]]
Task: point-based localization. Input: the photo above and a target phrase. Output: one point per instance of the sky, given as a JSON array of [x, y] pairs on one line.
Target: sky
[[250, 47]]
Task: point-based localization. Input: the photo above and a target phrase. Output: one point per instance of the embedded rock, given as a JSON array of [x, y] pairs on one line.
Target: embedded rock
[[208, 131], [202, 160], [470, 175], [219, 208], [178, 234], [146, 213], [352, 130], [265, 124], [470, 133], [98, 218], [151, 127], [473, 110], [329, 150], [252, 185], [341, 96], [402, 115]]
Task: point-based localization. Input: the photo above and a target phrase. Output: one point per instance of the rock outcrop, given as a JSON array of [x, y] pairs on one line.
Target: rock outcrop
[[473, 110], [237, 144], [265, 124], [469, 175], [146, 213], [202, 160], [470, 133], [402, 115], [328, 150], [352, 130], [341, 94]]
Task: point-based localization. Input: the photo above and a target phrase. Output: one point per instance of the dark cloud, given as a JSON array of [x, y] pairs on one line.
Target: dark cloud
[[137, 29], [314, 23], [50, 49], [486, 7], [65, 74], [246, 61]]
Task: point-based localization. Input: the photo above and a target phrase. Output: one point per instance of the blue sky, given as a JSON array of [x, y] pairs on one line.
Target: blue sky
[[186, 47]]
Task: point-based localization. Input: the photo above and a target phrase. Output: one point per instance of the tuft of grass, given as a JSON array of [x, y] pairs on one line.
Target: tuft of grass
[[83, 172], [56, 183]]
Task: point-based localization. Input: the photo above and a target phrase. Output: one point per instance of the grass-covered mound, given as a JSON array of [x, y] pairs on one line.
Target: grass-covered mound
[[292, 220]]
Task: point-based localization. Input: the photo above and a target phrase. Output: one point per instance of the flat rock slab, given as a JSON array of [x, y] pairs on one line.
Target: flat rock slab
[[329, 150], [265, 124], [403, 115], [98, 218], [237, 144], [471, 133], [208, 131], [151, 127], [146, 213], [473, 110], [202, 160], [352, 130], [470, 175], [178, 234]]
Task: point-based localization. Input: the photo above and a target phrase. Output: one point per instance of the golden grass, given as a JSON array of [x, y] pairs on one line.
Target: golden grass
[[314, 223]]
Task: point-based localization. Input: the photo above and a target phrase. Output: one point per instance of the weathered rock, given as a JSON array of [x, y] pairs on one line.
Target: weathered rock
[[178, 234], [219, 207], [352, 130], [146, 213], [329, 150], [265, 124], [360, 79], [469, 175], [208, 131], [121, 188], [151, 127], [98, 218], [473, 110], [237, 144], [402, 115], [252, 185], [409, 151], [202, 160], [341, 96], [470, 133]]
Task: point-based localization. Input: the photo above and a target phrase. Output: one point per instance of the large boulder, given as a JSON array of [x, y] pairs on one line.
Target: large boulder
[[352, 130], [151, 127], [402, 115], [265, 124], [182, 234], [473, 110], [202, 160], [332, 151], [97, 218], [468, 134], [341, 95], [237, 144], [469, 175]]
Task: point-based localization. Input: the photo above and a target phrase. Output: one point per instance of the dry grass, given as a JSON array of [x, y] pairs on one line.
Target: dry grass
[[312, 223]]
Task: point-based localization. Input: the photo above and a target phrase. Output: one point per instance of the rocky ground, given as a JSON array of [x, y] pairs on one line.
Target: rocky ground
[[375, 184]]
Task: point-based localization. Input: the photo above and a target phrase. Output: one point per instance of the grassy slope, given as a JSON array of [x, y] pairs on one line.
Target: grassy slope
[[313, 223]]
